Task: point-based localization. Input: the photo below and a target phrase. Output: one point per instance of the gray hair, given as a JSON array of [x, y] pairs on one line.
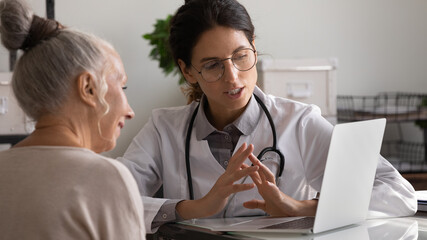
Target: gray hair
[[44, 74]]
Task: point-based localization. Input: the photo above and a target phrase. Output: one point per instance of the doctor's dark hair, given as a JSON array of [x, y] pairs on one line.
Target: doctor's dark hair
[[198, 16], [53, 57]]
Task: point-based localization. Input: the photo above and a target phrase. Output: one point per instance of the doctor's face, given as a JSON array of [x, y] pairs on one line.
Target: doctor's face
[[229, 94]]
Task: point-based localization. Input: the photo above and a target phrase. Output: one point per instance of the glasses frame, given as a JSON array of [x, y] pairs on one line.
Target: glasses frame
[[225, 59]]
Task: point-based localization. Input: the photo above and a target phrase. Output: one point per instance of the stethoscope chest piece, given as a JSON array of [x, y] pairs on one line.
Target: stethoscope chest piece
[[267, 155]]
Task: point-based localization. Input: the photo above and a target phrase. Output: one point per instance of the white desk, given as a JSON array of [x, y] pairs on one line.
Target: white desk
[[406, 228]]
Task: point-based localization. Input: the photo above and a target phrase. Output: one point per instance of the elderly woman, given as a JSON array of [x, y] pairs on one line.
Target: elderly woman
[[54, 184]]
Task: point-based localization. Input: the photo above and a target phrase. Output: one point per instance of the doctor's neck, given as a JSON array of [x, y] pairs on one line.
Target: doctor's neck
[[219, 118]]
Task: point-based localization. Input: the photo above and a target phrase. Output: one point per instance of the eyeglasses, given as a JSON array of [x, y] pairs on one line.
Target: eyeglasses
[[243, 60]]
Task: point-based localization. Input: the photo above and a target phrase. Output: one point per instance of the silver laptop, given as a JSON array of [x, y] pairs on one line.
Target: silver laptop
[[346, 188]]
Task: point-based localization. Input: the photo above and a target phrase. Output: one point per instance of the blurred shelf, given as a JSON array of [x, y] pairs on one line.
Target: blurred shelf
[[396, 107]]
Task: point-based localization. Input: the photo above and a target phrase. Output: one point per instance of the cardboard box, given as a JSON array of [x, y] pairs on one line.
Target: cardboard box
[[310, 81]]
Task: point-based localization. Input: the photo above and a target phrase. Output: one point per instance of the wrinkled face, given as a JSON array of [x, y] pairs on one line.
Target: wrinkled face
[[231, 93], [119, 109]]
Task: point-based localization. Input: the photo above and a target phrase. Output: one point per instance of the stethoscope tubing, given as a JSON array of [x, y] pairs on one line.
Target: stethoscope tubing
[[272, 148]]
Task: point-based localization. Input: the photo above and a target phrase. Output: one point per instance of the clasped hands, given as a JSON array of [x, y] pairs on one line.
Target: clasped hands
[[274, 201]]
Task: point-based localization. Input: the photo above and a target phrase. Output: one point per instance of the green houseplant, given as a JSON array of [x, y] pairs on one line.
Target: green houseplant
[[158, 39]]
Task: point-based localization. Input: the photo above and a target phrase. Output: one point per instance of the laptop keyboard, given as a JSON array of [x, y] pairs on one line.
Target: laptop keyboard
[[301, 223]]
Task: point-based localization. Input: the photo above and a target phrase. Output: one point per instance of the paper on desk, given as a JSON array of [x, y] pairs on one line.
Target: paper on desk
[[421, 196]]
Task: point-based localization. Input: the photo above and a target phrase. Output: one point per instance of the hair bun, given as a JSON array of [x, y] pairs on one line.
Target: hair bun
[[41, 29], [21, 29], [15, 23]]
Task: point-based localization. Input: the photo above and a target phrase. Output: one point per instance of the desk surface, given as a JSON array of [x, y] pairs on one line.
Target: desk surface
[[414, 227]]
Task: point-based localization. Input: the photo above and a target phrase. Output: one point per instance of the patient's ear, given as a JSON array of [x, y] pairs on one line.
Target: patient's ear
[[86, 89], [188, 75]]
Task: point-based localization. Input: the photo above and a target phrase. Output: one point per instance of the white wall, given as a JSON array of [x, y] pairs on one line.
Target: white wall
[[381, 45]]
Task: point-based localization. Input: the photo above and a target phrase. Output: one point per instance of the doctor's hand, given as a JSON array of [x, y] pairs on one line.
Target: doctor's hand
[[275, 202], [216, 199]]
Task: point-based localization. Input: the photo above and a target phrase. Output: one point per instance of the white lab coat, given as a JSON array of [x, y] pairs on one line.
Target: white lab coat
[[156, 157]]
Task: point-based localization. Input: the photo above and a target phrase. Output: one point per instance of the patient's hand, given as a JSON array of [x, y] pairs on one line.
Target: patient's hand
[[275, 202]]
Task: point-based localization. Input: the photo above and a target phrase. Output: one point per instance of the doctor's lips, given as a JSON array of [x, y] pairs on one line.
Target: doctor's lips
[[121, 125], [234, 91]]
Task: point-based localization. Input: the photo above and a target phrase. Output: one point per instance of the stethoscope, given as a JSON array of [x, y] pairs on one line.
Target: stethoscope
[[260, 155]]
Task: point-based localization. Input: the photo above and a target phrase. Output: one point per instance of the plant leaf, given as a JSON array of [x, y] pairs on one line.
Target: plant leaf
[[158, 39]]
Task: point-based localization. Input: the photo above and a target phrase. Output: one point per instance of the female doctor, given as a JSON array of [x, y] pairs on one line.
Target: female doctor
[[201, 152]]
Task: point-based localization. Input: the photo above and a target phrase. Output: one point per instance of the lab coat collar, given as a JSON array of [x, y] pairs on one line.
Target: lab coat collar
[[246, 123], [203, 126]]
